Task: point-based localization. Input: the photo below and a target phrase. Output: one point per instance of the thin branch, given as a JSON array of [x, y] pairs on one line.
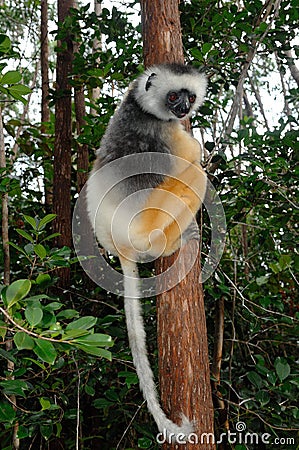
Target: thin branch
[[24, 114], [31, 333], [292, 66], [259, 101], [250, 411], [130, 424], [5, 234]]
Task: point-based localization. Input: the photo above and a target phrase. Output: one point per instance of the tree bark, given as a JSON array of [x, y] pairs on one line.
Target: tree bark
[[5, 235], [161, 32], [183, 353], [182, 336], [82, 149], [63, 141], [45, 110]]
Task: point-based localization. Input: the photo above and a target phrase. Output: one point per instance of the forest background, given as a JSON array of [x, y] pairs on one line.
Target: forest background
[[59, 388]]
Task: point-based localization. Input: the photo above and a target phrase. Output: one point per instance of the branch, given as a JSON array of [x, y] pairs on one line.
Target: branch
[[292, 66], [251, 54]]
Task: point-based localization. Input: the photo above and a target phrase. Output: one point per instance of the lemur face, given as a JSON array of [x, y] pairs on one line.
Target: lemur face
[[170, 91], [180, 102]]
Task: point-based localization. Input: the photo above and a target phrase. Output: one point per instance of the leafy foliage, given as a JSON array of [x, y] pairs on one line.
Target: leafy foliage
[[62, 373]]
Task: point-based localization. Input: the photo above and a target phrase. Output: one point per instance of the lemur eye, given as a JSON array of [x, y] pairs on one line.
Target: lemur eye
[[173, 96], [192, 98]]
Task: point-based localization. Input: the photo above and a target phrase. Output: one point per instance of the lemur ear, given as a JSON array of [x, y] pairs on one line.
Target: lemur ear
[[149, 81]]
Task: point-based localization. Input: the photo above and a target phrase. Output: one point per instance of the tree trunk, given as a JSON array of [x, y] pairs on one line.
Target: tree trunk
[[161, 32], [63, 141], [4, 204], [45, 110], [82, 149], [182, 335]]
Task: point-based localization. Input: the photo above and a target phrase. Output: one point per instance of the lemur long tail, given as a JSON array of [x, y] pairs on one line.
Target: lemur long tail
[[137, 341]]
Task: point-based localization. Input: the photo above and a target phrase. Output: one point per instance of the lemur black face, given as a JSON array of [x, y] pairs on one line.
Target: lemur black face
[[180, 102]]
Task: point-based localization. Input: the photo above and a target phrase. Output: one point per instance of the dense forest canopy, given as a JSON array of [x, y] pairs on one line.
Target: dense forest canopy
[[59, 388]]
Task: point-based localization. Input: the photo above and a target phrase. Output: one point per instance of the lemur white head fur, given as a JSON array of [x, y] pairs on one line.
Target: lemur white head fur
[[157, 83]]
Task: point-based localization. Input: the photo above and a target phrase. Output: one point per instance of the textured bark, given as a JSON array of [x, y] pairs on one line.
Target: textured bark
[[4, 205], [183, 353], [161, 32], [44, 57], [216, 368], [45, 110], [82, 149], [182, 336], [63, 140]]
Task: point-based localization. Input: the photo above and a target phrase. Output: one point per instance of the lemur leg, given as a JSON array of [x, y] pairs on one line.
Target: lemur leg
[[169, 211]]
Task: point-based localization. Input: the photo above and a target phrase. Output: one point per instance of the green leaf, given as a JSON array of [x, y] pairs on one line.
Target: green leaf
[[5, 44], [23, 341], [67, 314], [72, 334], [282, 368], [7, 355], [285, 261], [19, 89], [262, 280], [35, 298], [7, 413], [43, 279], [130, 378], [34, 315], [3, 329], [51, 236], [40, 251], [23, 432], [46, 430], [84, 323], [255, 379], [102, 403], [45, 403], [25, 235], [11, 77], [53, 306], [14, 387], [95, 351], [145, 442], [45, 220], [18, 248], [206, 48], [263, 397], [16, 291], [45, 350], [31, 221], [96, 339]]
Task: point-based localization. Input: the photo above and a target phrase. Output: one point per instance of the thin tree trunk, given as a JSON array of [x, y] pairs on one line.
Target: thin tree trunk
[[6, 274], [182, 335], [5, 236], [96, 46], [82, 149], [45, 110], [292, 66], [44, 57], [63, 141], [216, 368]]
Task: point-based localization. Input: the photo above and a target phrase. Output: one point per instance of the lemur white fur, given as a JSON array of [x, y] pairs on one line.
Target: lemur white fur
[[148, 120]]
